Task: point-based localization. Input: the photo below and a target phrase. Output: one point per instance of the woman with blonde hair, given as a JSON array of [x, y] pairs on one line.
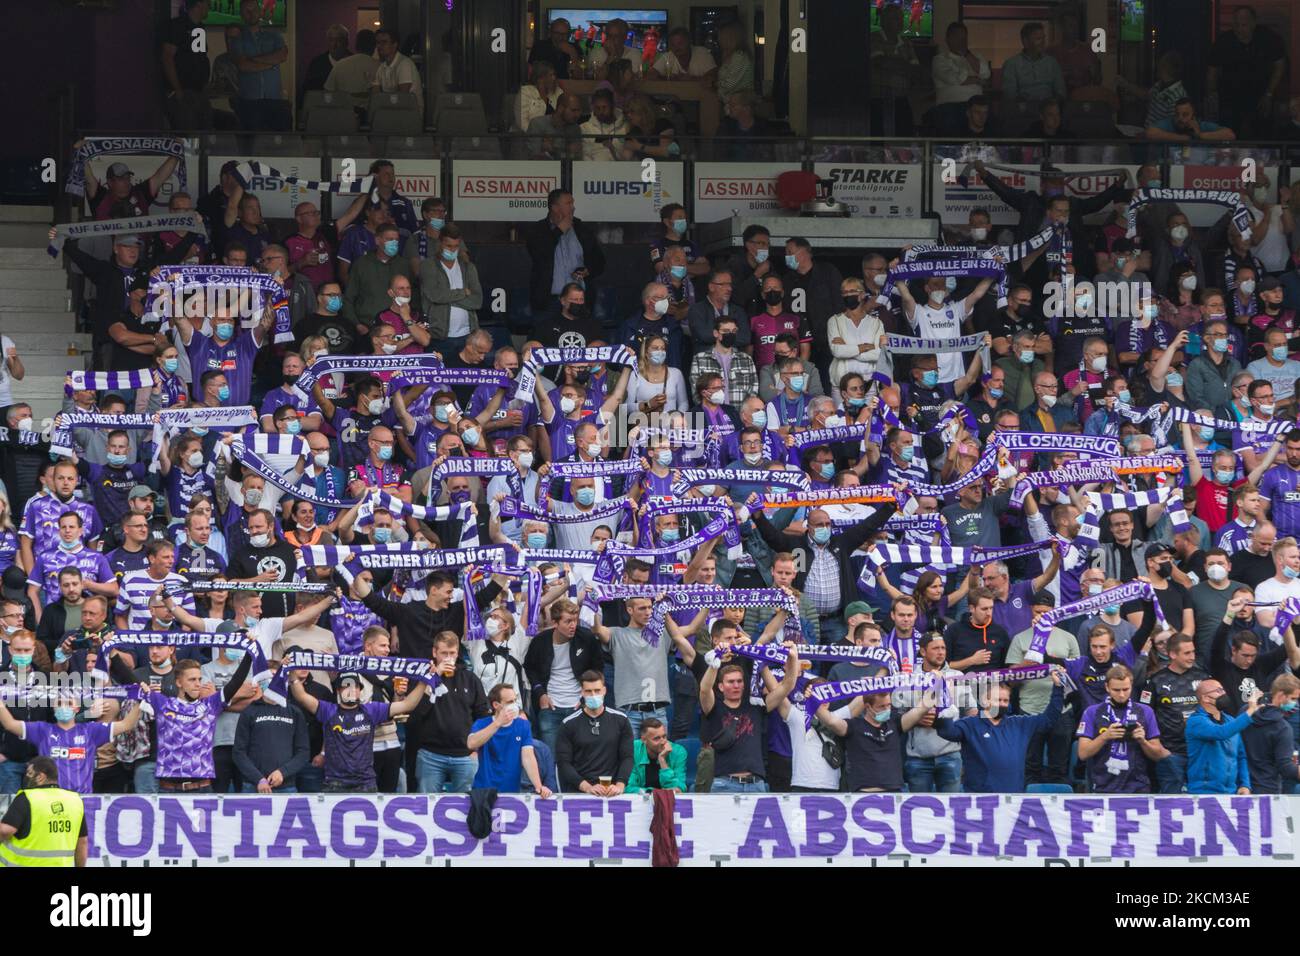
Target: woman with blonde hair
[[656, 388], [8, 534], [647, 134]]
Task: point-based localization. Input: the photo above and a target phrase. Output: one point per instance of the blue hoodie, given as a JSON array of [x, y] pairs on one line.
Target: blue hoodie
[[993, 755], [1216, 757]]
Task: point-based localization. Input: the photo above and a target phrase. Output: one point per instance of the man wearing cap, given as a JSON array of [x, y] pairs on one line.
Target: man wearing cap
[[139, 502], [1035, 695], [106, 197], [112, 279], [1173, 597], [134, 336]]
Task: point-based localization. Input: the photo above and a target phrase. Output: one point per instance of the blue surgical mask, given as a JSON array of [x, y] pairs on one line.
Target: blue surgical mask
[[1125, 396], [294, 426], [930, 378], [1221, 345], [821, 535], [1224, 477], [22, 660], [908, 453], [1288, 705], [116, 461], [436, 223], [1174, 380], [64, 714], [996, 393], [199, 431], [882, 716], [536, 539], [585, 496], [225, 330], [679, 226], [449, 255], [333, 304], [827, 470], [761, 256], [250, 622], [796, 383], [792, 262], [669, 535], [1150, 311], [235, 654], [856, 402], [1279, 353], [677, 272], [658, 357], [1207, 433], [442, 412], [469, 436], [1153, 184], [171, 365], [1289, 572], [391, 247], [1094, 588], [950, 283], [760, 419], [1110, 609], [385, 452], [1027, 356], [664, 456], [594, 702], [382, 535], [69, 545], [223, 393]]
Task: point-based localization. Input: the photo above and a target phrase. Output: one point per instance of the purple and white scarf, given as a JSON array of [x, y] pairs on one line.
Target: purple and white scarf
[[170, 222], [514, 508], [289, 482], [599, 468], [1133, 591], [451, 376], [405, 555], [481, 468], [347, 185], [689, 597], [1241, 217], [540, 358], [172, 288], [413, 668], [109, 381], [688, 478], [239, 640], [371, 364], [95, 146]]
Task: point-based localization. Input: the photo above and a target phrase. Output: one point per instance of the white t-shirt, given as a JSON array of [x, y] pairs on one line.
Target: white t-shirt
[[943, 323], [6, 380], [808, 767], [458, 322], [1274, 590], [266, 632], [700, 63], [563, 687], [391, 76]]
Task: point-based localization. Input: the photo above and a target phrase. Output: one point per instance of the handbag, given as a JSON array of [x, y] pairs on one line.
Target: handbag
[[832, 747]]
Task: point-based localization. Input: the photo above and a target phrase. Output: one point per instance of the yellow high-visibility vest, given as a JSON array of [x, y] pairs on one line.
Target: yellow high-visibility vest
[[52, 837]]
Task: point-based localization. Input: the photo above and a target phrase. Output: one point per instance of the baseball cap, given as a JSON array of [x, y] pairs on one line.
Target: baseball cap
[[1042, 598], [1269, 283], [118, 169], [127, 239], [1155, 549], [857, 607], [141, 491], [14, 583]]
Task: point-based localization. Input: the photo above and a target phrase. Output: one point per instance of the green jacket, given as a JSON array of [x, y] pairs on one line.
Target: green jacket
[[437, 295], [368, 281], [672, 778]]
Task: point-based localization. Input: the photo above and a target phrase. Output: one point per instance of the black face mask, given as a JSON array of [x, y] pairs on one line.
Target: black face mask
[[773, 297], [1165, 570], [581, 378], [851, 302], [579, 311], [728, 340], [289, 379]]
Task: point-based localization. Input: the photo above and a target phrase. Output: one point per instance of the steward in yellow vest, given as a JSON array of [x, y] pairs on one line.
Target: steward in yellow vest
[[45, 825]]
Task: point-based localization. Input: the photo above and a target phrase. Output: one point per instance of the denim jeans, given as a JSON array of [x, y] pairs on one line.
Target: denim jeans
[[933, 774], [11, 776], [834, 629], [727, 785], [1171, 773], [142, 773], [637, 717], [286, 788], [548, 724], [438, 772], [310, 779]]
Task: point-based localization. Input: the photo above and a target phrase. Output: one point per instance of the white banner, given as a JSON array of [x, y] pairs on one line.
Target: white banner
[[144, 166], [495, 190], [278, 197], [723, 190], [954, 202], [892, 192], [798, 829], [417, 179], [617, 192]]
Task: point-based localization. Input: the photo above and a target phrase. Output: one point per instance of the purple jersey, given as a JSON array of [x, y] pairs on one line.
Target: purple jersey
[[1120, 766], [277, 398], [1281, 486], [1090, 677], [425, 443], [1234, 536], [73, 750], [49, 564], [234, 360], [356, 242], [185, 731], [8, 549], [110, 486], [349, 621], [350, 741], [1015, 613], [181, 489], [171, 390], [483, 396], [41, 521]]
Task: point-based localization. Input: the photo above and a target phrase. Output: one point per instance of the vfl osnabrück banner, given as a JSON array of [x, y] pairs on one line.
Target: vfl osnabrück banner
[[945, 829]]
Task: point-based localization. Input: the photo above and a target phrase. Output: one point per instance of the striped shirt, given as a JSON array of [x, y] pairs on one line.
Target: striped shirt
[[137, 588], [823, 582]]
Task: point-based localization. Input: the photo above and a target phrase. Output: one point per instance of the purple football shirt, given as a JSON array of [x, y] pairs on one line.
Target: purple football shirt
[[185, 732], [73, 750]]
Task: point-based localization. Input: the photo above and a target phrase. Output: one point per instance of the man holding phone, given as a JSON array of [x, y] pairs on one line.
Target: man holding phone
[[504, 743], [1112, 733]]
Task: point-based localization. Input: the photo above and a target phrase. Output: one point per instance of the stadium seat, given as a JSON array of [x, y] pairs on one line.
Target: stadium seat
[[692, 745], [1049, 788], [332, 121], [284, 144], [461, 123], [1017, 117], [415, 147], [476, 147], [395, 114], [447, 102]]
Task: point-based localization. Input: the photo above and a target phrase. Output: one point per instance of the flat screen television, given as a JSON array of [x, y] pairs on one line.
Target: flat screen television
[[591, 22], [225, 12], [1132, 20], [918, 16]]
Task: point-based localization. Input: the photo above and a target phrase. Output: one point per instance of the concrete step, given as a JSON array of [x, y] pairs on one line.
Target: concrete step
[[53, 280], [14, 214], [34, 235], [50, 364], [22, 323], [34, 300], [49, 342], [30, 255]]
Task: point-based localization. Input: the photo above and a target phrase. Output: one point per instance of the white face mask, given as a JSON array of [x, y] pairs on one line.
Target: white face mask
[[525, 459], [1188, 282], [979, 233], [1179, 233], [1217, 572], [375, 406], [718, 397], [1248, 286], [1049, 401], [259, 540], [389, 348], [1099, 363], [937, 296], [567, 405], [321, 458], [195, 459], [593, 450], [401, 300], [492, 626]]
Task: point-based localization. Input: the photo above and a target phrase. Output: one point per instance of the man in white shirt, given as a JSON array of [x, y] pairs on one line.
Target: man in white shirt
[[958, 74], [396, 73], [602, 133], [614, 48], [354, 74], [684, 61], [941, 318], [1282, 585], [11, 367]]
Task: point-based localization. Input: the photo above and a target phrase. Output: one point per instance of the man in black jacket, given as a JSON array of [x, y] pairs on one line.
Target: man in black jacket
[[1270, 744], [977, 642], [272, 746], [563, 241], [555, 660], [823, 558], [438, 730], [111, 277], [593, 752], [19, 671]]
